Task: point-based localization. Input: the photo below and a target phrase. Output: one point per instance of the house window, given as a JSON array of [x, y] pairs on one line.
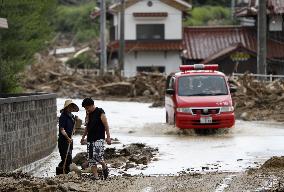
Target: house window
[[165, 54], [159, 69], [150, 31], [135, 54]]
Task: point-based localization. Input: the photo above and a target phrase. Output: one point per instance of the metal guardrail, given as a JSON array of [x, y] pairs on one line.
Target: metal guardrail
[[269, 77], [95, 72]]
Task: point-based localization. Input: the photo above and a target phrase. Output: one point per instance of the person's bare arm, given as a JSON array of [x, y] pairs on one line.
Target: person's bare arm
[[104, 120], [86, 129], [63, 132], [84, 135]]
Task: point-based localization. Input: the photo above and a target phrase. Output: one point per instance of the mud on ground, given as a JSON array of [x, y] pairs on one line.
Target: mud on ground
[[266, 178]]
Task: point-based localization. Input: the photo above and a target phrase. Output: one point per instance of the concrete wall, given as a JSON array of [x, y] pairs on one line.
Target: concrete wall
[[170, 60], [27, 129]]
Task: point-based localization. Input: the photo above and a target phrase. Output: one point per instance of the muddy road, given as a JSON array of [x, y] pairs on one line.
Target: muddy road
[[216, 161], [247, 145]]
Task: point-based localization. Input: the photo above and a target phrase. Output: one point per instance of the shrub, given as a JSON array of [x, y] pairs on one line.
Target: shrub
[[209, 15], [9, 80]]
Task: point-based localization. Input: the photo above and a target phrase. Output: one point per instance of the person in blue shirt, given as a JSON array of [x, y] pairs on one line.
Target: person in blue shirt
[[66, 126]]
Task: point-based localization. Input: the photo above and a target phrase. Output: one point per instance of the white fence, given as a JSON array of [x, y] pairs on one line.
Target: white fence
[[269, 77]]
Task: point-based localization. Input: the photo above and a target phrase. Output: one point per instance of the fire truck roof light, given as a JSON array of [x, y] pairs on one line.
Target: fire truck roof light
[[211, 67]]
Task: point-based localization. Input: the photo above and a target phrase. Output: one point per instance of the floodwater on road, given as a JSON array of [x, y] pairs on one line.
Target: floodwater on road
[[246, 145]]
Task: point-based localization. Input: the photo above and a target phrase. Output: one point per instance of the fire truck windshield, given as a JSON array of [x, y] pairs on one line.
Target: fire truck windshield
[[202, 85]]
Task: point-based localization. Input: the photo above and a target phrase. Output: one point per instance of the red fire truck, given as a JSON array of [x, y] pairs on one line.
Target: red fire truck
[[199, 97]]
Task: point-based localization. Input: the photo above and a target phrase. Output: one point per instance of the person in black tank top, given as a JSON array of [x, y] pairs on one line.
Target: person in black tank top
[[96, 130]]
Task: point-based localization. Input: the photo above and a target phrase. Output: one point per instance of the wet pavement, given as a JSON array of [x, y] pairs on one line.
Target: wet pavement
[[246, 145]]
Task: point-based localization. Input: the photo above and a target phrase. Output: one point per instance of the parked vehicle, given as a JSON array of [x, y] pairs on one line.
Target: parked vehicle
[[199, 97]]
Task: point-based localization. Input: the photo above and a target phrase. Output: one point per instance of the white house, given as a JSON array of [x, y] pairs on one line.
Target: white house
[[153, 35]]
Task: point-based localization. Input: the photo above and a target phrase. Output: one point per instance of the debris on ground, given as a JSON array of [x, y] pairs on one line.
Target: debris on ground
[[130, 156], [254, 99], [274, 162], [256, 180], [258, 100], [50, 75]]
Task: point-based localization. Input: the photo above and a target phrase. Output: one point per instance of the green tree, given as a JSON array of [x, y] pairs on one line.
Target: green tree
[[224, 3], [29, 31], [76, 21], [209, 15]]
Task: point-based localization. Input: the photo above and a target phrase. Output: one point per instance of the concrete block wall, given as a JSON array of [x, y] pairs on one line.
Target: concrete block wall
[[28, 129]]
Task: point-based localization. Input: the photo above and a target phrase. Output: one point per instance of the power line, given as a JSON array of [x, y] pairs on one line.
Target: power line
[[261, 38]]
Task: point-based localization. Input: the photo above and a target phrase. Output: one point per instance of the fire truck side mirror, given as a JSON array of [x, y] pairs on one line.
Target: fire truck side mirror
[[233, 89], [170, 91]]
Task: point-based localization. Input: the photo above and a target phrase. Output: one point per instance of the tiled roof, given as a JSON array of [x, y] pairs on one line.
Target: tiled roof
[[163, 45], [276, 6], [150, 14], [202, 43], [116, 6], [273, 7], [178, 4], [227, 51]]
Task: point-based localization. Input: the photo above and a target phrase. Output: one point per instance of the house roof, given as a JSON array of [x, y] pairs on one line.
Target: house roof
[[163, 45], [207, 43], [251, 9], [178, 4], [275, 6], [227, 51]]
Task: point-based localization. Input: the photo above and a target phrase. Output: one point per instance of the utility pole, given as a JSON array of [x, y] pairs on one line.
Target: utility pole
[[3, 24], [261, 37], [233, 9], [121, 39], [103, 61]]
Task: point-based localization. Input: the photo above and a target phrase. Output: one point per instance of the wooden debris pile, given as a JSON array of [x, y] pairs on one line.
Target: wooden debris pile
[[52, 76], [254, 100], [259, 100], [150, 85]]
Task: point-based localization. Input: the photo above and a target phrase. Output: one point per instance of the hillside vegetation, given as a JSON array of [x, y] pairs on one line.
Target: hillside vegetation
[[209, 15], [32, 27], [76, 20], [223, 3], [34, 24], [29, 30]]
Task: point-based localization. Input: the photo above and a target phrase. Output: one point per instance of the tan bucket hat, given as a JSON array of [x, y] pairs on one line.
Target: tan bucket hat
[[70, 102]]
